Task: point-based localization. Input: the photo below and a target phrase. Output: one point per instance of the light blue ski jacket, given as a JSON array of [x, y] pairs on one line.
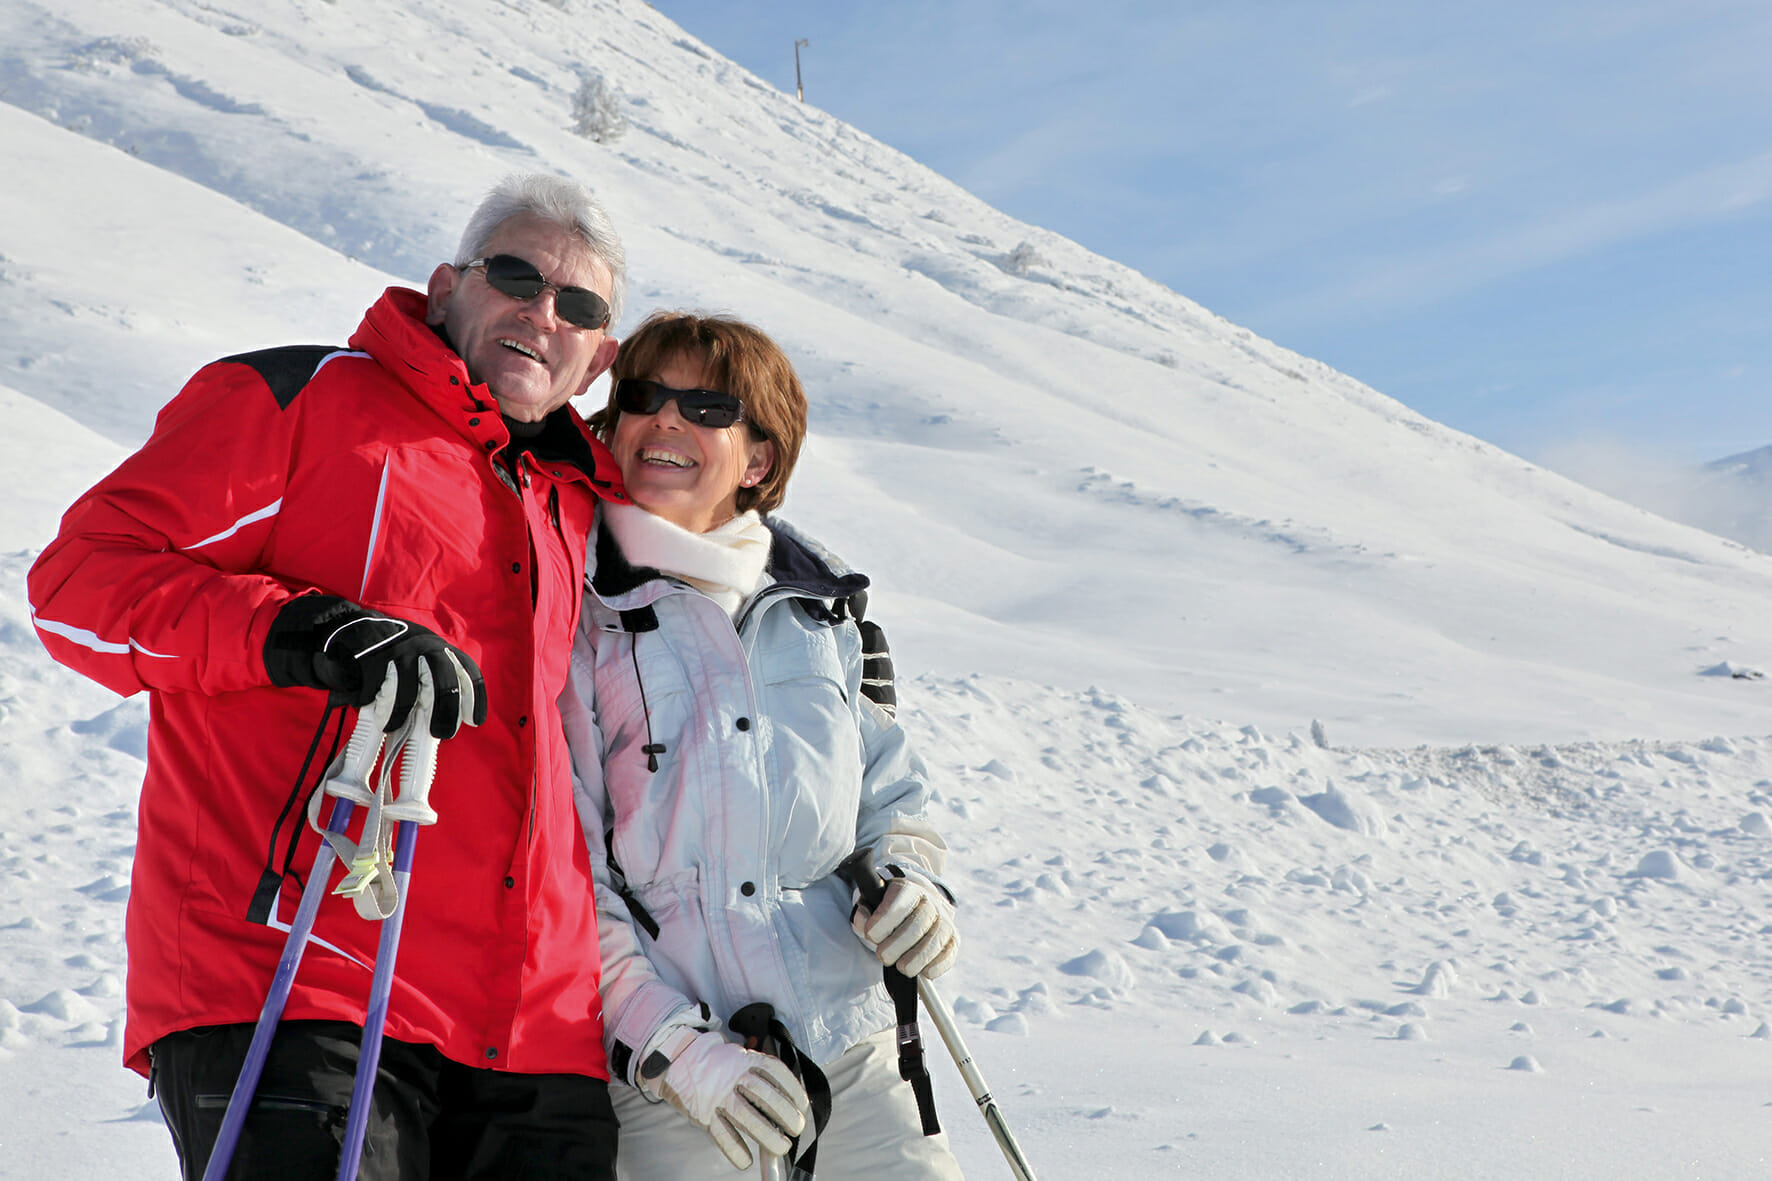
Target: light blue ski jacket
[[722, 772]]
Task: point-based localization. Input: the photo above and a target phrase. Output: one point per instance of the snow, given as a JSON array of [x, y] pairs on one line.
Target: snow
[[1332, 794]]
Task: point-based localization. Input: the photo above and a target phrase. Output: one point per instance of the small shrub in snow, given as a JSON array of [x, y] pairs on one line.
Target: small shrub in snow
[[1022, 259], [596, 111]]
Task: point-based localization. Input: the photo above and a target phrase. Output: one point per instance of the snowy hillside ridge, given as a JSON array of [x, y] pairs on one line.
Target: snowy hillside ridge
[[1729, 497], [67, 73], [1732, 498], [1008, 432], [1754, 465]]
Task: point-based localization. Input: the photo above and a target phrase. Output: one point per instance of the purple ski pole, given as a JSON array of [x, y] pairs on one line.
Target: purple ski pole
[[376, 1019], [417, 760], [350, 784], [222, 1154]]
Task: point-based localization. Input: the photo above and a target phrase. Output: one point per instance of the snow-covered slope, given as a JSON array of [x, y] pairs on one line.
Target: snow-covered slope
[[1059, 469], [1127, 552]]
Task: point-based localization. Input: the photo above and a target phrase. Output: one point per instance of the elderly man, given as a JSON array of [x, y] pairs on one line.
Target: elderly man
[[302, 521]]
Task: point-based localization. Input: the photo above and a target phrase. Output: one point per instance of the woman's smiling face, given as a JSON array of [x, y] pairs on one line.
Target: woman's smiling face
[[689, 475]]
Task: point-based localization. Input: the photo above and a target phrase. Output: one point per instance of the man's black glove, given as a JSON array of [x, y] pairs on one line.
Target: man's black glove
[[325, 642]]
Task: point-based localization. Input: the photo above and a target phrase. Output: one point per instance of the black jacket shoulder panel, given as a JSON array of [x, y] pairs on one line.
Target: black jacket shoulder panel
[[286, 370]]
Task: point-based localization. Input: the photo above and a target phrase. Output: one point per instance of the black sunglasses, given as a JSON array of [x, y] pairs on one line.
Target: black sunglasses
[[520, 280], [709, 408]]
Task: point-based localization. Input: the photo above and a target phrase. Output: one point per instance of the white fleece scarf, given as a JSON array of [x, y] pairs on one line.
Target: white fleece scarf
[[726, 563]]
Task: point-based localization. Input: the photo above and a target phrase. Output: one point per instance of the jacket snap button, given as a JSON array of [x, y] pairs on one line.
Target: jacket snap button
[[516, 567], [748, 889], [744, 723], [510, 883], [491, 1051], [473, 422]]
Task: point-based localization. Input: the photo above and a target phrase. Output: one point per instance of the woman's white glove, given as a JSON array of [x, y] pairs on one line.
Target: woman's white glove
[[730, 1091], [913, 929]]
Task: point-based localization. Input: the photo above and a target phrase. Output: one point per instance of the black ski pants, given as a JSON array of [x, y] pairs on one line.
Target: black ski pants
[[430, 1119]]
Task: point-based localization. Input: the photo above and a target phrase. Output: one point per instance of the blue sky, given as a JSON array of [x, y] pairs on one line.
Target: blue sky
[[1546, 224]]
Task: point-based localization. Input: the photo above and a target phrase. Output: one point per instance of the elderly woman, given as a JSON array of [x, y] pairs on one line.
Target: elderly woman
[[728, 761]]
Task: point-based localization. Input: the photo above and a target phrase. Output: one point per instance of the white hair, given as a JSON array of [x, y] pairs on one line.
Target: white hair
[[551, 198]]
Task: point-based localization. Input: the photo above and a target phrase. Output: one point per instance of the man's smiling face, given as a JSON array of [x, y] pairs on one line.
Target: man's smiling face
[[531, 360]]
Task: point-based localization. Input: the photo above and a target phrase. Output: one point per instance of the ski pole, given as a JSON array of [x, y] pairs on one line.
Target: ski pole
[[414, 751], [349, 774], [858, 870], [376, 1019], [234, 1119], [987, 1106], [359, 760]]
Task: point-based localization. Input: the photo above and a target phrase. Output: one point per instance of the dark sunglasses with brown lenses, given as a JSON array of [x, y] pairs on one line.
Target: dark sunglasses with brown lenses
[[519, 279], [708, 408]]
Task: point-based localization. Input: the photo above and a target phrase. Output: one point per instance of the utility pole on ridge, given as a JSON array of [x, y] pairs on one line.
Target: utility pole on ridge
[[799, 87]]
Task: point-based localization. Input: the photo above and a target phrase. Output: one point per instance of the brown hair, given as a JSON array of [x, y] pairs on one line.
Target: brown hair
[[740, 360]]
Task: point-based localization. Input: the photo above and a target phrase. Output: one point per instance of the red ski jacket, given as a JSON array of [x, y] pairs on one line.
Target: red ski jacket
[[368, 473]]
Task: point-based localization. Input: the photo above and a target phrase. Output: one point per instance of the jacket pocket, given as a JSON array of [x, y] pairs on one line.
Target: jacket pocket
[[428, 542]]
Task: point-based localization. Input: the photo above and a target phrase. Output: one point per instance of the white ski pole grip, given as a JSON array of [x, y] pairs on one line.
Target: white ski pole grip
[[858, 870], [418, 761], [350, 777]]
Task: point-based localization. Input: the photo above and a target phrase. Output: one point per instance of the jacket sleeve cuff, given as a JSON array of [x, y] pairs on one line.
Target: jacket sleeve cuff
[[634, 1032], [917, 872]]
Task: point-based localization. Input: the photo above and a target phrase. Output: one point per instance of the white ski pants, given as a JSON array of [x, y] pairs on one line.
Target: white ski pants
[[874, 1133]]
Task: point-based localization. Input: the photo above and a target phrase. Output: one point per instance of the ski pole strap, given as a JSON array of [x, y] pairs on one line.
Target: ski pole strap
[[270, 881], [763, 1031], [858, 870], [911, 1065]]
